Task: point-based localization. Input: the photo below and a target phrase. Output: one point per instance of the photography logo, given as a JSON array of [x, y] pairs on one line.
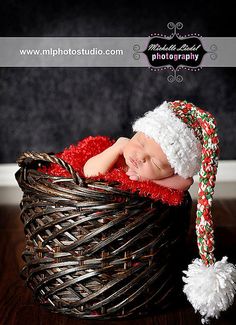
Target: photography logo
[[174, 52]]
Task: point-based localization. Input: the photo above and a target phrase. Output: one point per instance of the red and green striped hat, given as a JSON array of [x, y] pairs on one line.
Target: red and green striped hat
[[188, 136], [203, 125]]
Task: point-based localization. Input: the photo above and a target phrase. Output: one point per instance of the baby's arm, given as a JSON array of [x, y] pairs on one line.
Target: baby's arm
[[104, 161], [176, 182]]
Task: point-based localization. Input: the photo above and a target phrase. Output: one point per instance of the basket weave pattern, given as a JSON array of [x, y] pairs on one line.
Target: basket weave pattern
[[93, 251]]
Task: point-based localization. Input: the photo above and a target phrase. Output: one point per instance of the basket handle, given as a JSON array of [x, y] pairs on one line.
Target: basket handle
[[21, 160]]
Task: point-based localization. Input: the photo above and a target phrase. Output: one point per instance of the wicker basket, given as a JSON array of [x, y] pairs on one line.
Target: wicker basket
[[94, 251]]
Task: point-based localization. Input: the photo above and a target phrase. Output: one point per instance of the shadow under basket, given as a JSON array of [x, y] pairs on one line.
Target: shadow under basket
[[94, 251]]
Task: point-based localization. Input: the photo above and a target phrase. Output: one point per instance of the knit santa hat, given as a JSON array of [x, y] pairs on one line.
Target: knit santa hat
[[188, 136]]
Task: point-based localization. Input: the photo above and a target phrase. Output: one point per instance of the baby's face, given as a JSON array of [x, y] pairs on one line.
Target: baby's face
[[145, 158]]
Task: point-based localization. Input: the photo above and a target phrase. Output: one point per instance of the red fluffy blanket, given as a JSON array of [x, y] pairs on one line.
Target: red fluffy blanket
[[77, 155]]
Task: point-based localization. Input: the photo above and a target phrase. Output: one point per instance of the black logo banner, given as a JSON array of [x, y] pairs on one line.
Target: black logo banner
[[175, 52]]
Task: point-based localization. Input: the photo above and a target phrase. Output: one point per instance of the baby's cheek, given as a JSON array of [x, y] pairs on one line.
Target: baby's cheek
[[149, 172], [167, 172]]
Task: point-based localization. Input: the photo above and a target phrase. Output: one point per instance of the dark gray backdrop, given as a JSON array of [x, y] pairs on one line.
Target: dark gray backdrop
[[46, 109]]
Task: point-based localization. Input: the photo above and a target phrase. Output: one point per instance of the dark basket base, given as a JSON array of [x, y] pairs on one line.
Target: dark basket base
[[171, 299], [95, 252]]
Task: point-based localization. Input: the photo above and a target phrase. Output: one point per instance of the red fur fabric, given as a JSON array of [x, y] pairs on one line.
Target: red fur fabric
[[77, 155]]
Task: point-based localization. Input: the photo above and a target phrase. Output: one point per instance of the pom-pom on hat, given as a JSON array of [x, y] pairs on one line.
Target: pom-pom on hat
[[188, 136]]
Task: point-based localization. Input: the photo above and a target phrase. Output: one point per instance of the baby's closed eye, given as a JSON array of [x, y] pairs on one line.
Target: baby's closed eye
[[156, 163]]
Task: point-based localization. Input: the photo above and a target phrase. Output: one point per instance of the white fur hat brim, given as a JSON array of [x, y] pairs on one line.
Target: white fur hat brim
[[177, 140]]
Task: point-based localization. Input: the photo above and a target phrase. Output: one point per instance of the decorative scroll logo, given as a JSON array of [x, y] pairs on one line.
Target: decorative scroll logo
[[174, 52]]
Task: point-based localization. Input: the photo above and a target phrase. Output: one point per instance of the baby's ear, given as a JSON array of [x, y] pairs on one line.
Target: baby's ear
[[191, 180]]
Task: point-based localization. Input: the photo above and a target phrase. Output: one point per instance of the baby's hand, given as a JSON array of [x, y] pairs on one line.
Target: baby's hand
[[176, 182], [106, 159], [120, 144]]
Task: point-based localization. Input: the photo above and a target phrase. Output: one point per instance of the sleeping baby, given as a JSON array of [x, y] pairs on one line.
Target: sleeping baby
[[142, 159]]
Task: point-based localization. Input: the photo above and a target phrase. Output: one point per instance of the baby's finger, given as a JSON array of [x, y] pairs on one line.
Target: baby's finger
[[134, 178]]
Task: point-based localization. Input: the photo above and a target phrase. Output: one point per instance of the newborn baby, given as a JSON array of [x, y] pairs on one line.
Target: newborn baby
[[142, 158], [172, 143]]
